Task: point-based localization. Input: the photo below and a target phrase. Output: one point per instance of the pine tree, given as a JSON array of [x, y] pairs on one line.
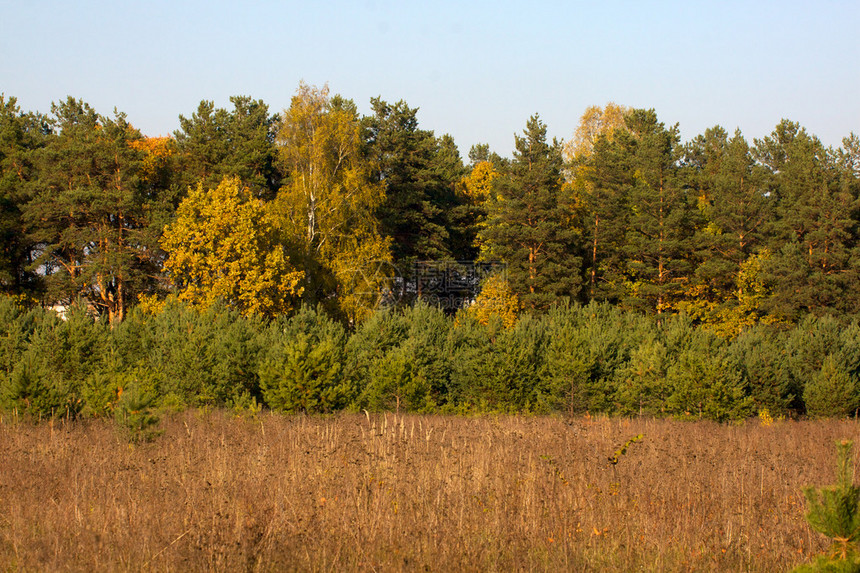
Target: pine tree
[[215, 143], [303, 367], [832, 391], [532, 226], [91, 215], [605, 189], [419, 171], [815, 235], [735, 208], [21, 137], [734, 212], [659, 227], [835, 512]]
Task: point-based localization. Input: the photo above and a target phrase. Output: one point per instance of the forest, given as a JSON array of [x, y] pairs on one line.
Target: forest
[[317, 260]]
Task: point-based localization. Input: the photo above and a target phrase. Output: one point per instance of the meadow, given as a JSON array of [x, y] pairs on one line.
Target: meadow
[[385, 492]]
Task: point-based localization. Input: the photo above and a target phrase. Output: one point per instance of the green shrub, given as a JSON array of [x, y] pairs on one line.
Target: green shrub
[[302, 370], [400, 360], [806, 347], [47, 376], [831, 392], [835, 512], [195, 358], [304, 375], [134, 413], [642, 385], [497, 368], [759, 356], [570, 370]]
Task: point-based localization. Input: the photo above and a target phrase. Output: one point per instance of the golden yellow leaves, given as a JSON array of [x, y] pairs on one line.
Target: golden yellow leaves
[[478, 184], [223, 245], [730, 314], [595, 121], [157, 152], [496, 299], [327, 205]]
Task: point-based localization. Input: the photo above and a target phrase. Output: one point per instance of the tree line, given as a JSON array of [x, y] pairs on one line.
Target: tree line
[[270, 211], [271, 223], [262, 211]]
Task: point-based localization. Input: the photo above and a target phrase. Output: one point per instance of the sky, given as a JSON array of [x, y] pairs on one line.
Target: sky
[[475, 70]]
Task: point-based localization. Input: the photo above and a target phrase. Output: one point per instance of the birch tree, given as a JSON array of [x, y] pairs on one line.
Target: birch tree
[[327, 208]]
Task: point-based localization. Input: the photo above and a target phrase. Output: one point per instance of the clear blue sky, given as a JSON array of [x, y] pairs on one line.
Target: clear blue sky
[[476, 70]]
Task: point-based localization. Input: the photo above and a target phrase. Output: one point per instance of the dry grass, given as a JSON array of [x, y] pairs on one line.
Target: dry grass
[[389, 493]]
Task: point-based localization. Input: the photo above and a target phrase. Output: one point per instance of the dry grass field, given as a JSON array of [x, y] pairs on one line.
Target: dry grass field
[[411, 493]]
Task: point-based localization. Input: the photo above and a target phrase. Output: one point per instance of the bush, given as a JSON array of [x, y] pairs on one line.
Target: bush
[[47, 377], [831, 392], [759, 356], [400, 360], [835, 512], [193, 358], [498, 369], [302, 370], [134, 413]]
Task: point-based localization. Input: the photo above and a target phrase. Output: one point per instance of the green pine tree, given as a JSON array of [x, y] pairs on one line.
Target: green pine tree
[[815, 233], [302, 370], [533, 226], [92, 214], [218, 143], [608, 178], [734, 211], [134, 413], [832, 391], [21, 136], [419, 171], [835, 511], [660, 226]]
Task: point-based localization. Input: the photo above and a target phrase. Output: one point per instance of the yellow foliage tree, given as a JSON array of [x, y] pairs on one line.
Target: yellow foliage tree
[[728, 318], [327, 207], [477, 188], [478, 184], [595, 121], [156, 159], [496, 299], [223, 246]]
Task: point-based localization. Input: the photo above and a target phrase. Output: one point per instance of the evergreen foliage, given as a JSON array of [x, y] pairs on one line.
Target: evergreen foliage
[[419, 172], [190, 357], [22, 135], [216, 143], [302, 369], [45, 378], [759, 356], [532, 225], [660, 226], [497, 368], [134, 413], [721, 275], [835, 512], [90, 214], [575, 359], [832, 392], [397, 359]]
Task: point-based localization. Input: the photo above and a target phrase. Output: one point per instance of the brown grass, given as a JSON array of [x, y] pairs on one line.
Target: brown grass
[[390, 493]]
